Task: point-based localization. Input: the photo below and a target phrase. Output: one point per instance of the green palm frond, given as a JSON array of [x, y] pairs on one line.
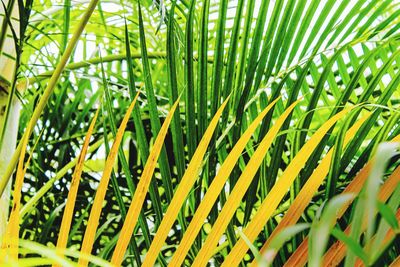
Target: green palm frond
[[251, 118]]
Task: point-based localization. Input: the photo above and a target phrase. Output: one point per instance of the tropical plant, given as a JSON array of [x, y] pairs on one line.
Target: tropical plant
[[179, 133]]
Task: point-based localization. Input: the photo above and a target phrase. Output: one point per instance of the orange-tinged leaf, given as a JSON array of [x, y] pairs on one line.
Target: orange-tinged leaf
[[308, 190], [214, 190], [396, 262], [141, 191], [279, 190], [390, 234], [181, 193], [94, 216], [300, 256], [239, 190], [70, 205], [337, 251]]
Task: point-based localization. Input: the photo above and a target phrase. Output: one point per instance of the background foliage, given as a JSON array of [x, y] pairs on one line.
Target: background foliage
[[330, 54]]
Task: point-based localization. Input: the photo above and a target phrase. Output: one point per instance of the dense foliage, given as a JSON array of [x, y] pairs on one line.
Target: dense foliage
[[277, 147]]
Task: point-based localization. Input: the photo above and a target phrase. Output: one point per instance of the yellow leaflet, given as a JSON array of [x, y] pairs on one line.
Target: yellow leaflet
[[27, 208], [141, 191], [182, 191], [11, 242], [307, 191], [94, 216], [239, 190], [214, 190], [70, 205], [279, 190], [11, 236]]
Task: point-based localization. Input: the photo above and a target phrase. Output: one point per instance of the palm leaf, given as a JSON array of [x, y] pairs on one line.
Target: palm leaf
[[49, 89], [141, 190], [242, 184], [99, 198], [280, 188], [299, 257], [308, 190], [214, 190], [181, 192], [69, 207], [226, 183]]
